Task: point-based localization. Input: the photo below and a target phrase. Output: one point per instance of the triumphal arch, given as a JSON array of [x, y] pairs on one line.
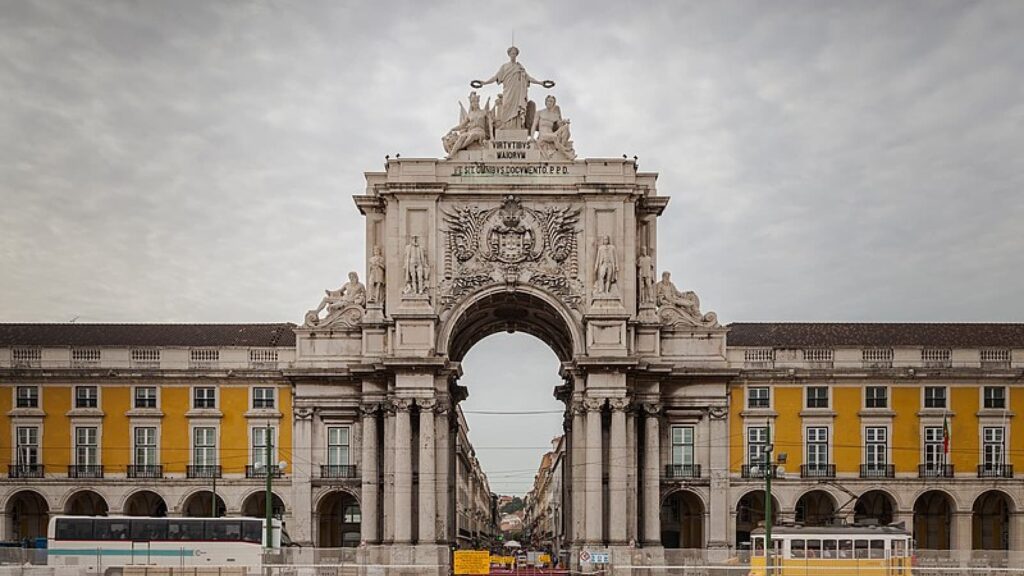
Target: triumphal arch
[[510, 231]]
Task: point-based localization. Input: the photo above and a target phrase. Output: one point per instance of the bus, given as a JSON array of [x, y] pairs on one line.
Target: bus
[[115, 544], [832, 550]]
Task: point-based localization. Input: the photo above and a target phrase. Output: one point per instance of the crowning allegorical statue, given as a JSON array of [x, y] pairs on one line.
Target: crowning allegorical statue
[[552, 131], [514, 112], [473, 127], [344, 305], [675, 307]]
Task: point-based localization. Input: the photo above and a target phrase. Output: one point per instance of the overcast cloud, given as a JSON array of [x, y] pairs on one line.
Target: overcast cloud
[[194, 161]]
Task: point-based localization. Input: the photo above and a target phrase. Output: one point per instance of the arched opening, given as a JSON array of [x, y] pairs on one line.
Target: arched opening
[[255, 505], [200, 505], [86, 503], [27, 516], [682, 521], [933, 517], [991, 521], [750, 514], [339, 518], [815, 508], [145, 503], [873, 506]]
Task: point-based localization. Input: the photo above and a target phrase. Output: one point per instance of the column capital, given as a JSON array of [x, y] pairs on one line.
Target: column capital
[[427, 404], [399, 404], [652, 408], [304, 413], [618, 404], [593, 404], [369, 409]]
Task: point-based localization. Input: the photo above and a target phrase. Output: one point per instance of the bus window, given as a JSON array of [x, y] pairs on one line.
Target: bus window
[[252, 531], [846, 548], [829, 549], [74, 529], [146, 530], [185, 530], [758, 546], [860, 548], [111, 529], [224, 530], [797, 549], [814, 548], [878, 549]]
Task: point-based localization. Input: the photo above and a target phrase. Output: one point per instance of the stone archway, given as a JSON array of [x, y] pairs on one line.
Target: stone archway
[[682, 520], [991, 521], [933, 520], [874, 506], [200, 505], [254, 505], [339, 519], [750, 513], [815, 508], [145, 503], [86, 503], [28, 516]]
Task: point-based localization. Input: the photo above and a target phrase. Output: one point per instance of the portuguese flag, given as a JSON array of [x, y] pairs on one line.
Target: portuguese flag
[[945, 436]]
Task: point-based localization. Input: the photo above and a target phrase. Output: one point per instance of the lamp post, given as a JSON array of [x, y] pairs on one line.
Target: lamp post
[[769, 473]]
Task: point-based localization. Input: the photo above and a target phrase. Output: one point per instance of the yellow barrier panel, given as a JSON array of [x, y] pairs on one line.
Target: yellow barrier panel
[[472, 562]]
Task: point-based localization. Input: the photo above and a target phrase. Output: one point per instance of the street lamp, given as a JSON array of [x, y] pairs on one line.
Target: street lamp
[[269, 471], [769, 472]]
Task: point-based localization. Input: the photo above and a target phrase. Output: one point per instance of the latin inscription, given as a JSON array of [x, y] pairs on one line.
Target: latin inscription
[[521, 170]]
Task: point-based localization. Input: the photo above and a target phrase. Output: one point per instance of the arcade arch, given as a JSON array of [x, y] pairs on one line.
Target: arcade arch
[[750, 512], [682, 520], [815, 508], [874, 505], [199, 504], [86, 503], [991, 521], [339, 517], [254, 505], [933, 519], [28, 516], [145, 503]]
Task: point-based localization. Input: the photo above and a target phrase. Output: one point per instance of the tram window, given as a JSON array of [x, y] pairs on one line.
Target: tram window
[[846, 548], [829, 549], [145, 530], [222, 530], [74, 529], [898, 548], [185, 530], [758, 546], [796, 548], [860, 549], [814, 548], [252, 531], [878, 548], [111, 530]]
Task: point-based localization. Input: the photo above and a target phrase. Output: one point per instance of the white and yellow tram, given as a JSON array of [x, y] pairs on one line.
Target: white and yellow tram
[[833, 551]]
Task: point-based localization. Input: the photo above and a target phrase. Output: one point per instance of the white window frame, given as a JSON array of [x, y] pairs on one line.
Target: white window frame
[[932, 444], [872, 443], [993, 447], [807, 397], [888, 397], [155, 446], [216, 398], [984, 397], [751, 442], [683, 451], [38, 396], [79, 445], [945, 397], [18, 445], [86, 387], [750, 397], [817, 443], [261, 448], [343, 448], [253, 398], [194, 445], [156, 397]]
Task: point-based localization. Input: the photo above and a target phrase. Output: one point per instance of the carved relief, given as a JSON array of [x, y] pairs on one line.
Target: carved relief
[[344, 306], [511, 244], [677, 308]]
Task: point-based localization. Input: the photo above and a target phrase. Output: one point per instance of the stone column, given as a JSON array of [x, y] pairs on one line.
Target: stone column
[[652, 476], [301, 526], [1016, 532], [577, 471], [388, 452], [617, 466], [403, 471], [442, 468], [370, 526], [595, 466], [961, 535], [428, 480], [718, 462]]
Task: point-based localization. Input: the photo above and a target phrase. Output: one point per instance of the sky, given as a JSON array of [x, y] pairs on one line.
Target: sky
[[194, 161]]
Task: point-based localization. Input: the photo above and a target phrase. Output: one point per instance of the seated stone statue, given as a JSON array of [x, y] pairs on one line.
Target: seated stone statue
[[552, 131], [680, 307], [346, 302], [473, 127]]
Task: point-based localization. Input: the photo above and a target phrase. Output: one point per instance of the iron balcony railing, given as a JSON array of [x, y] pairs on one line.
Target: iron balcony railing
[[145, 471], [752, 471], [935, 471], [260, 471], [674, 471], [85, 471], [817, 470], [338, 471], [995, 471], [202, 471], [877, 471], [25, 471]]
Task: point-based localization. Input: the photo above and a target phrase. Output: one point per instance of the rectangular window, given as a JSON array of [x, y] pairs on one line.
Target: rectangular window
[[934, 396], [757, 445], [338, 446], [204, 446], [28, 397], [145, 397], [27, 451], [817, 447], [876, 447], [817, 396], [261, 445], [86, 397], [204, 398], [757, 397], [262, 398], [995, 397], [145, 446], [934, 453], [876, 397], [682, 445], [87, 446], [993, 447]]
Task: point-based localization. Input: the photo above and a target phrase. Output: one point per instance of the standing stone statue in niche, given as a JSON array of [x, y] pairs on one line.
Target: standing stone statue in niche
[[645, 277], [417, 269], [677, 307], [344, 305], [552, 131], [606, 268], [473, 127], [377, 277], [515, 112]]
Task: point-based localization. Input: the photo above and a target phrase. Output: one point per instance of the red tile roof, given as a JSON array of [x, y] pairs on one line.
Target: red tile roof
[[945, 335], [147, 335]]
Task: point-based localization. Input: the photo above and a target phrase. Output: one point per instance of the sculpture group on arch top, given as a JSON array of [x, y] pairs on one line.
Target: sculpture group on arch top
[[511, 243]]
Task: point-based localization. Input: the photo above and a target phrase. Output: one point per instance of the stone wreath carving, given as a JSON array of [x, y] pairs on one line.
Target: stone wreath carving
[[511, 243]]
